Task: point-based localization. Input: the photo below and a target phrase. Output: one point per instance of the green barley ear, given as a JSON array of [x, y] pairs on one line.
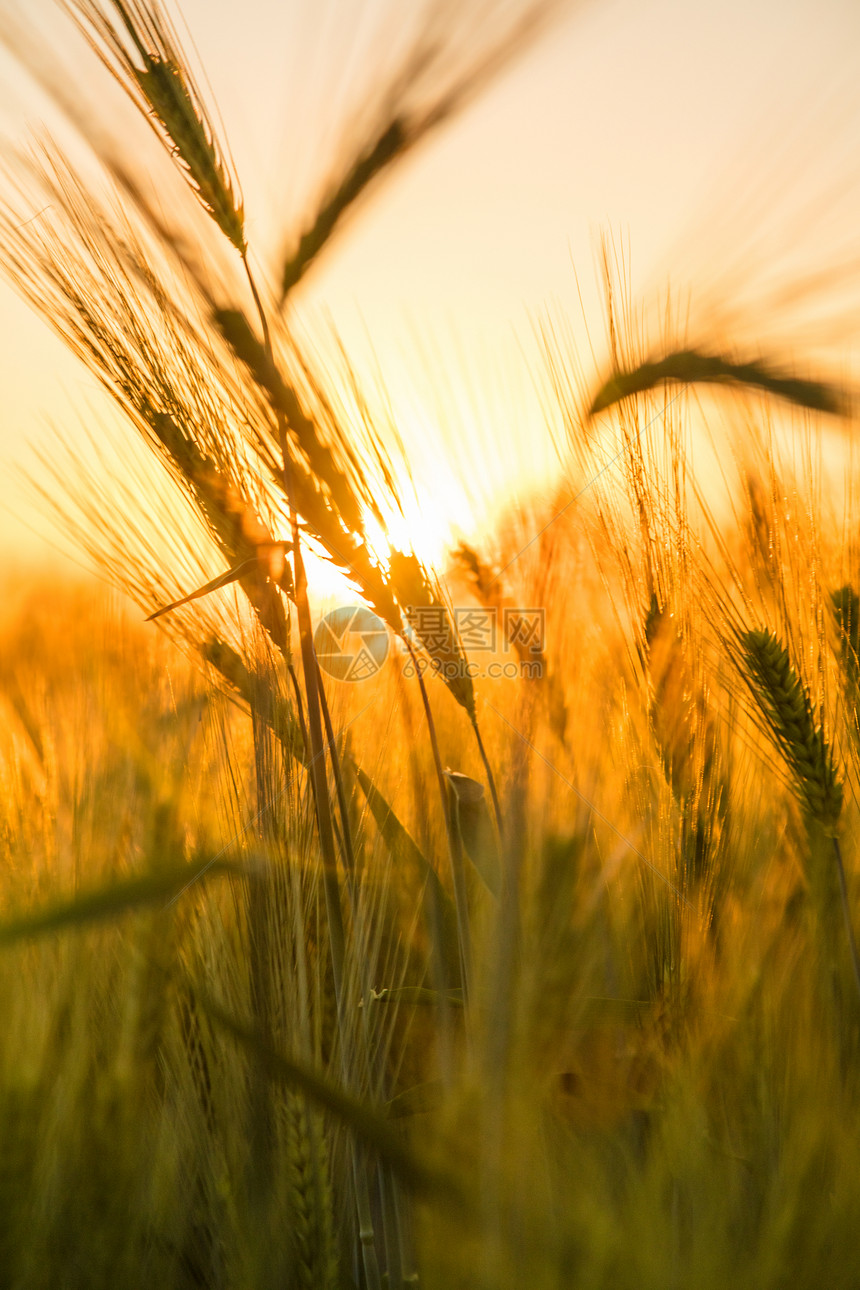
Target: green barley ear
[[691, 367], [136, 43], [393, 140], [259, 694], [790, 719], [790, 716], [310, 1198]]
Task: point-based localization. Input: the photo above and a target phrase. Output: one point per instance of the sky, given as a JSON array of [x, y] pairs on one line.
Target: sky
[[713, 141]]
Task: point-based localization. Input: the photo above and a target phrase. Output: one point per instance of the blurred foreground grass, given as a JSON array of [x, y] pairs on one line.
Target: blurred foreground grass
[[656, 1084]]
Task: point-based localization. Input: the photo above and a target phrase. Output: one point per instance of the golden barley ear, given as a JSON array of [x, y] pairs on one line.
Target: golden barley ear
[[686, 738], [460, 49], [691, 367], [256, 690], [252, 353], [483, 581], [431, 624], [135, 41], [790, 718], [391, 143]]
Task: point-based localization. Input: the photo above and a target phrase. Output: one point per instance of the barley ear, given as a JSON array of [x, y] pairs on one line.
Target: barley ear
[[137, 45], [432, 625], [790, 718], [691, 367], [313, 1237], [392, 141]]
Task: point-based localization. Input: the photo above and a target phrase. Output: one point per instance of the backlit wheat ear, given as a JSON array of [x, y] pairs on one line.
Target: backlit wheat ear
[[432, 624], [690, 367], [107, 304], [460, 48], [232, 519], [237, 331], [328, 499], [489, 589], [390, 144], [138, 46], [790, 718]]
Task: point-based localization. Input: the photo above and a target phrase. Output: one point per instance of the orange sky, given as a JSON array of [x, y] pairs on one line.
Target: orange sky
[[669, 122]]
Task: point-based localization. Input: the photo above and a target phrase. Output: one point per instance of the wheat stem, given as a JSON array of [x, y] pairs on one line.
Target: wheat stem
[[452, 833], [337, 769], [491, 779]]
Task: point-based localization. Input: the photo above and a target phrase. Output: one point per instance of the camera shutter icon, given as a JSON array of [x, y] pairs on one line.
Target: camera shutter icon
[[351, 643]]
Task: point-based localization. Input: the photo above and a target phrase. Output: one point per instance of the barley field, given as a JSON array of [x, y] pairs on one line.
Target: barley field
[[496, 929]]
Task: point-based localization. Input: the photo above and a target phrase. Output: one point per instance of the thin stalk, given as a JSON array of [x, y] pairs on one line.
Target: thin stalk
[[394, 1240], [343, 811], [331, 887], [318, 768], [391, 1232], [438, 959], [491, 779], [261, 312], [300, 707], [455, 850], [501, 1033]]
